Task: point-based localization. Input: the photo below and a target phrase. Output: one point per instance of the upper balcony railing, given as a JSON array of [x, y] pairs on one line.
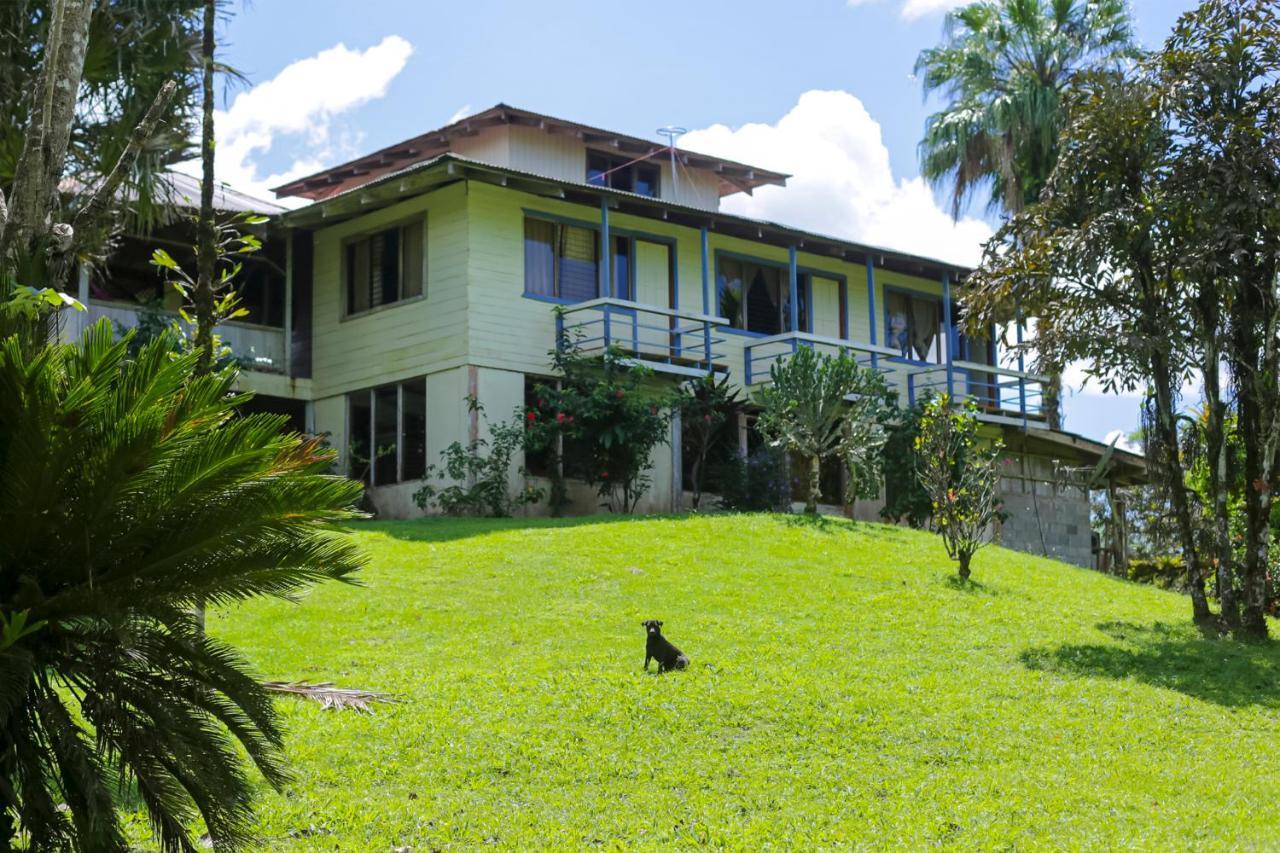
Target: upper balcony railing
[[255, 347], [1002, 395], [668, 340]]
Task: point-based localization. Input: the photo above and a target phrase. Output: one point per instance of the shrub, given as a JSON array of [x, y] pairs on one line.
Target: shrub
[[755, 483], [904, 497], [598, 404], [960, 476], [481, 472], [705, 406]]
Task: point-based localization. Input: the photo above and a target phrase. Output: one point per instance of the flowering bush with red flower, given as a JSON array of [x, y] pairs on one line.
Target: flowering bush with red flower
[[598, 423]]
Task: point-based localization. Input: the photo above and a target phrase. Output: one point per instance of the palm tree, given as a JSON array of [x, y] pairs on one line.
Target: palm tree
[[1005, 69], [130, 490]]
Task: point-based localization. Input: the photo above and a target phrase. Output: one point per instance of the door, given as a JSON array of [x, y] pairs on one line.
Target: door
[[653, 287], [825, 305]]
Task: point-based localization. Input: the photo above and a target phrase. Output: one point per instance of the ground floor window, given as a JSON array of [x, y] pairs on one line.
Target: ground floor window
[[387, 433]]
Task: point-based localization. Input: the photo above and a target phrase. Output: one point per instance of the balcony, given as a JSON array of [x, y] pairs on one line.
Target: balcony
[[666, 340], [256, 347], [1002, 395]]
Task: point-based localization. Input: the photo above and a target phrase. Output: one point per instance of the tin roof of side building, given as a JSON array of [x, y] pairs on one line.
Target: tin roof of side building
[[179, 189]]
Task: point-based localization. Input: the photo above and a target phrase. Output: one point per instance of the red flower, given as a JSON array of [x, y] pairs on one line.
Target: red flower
[[951, 495], [560, 417], [604, 475], [707, 418], [618, 393], [542, 403], [531, 417], [569, 419]]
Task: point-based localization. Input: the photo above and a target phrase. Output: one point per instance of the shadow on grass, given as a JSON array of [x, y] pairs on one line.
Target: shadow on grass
[[970, 587], [1177, 658], [840, 524]]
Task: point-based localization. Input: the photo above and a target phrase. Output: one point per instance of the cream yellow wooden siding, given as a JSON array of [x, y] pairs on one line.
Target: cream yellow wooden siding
[[512, 332], [401, 340]]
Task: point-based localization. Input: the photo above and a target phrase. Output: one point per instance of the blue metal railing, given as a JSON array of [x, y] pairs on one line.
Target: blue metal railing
[[667, 339]]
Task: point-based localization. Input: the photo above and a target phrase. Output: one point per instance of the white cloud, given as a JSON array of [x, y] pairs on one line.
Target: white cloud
[[1121, 438], [841, 183], [913, 9], [302, 101], [459, 114]]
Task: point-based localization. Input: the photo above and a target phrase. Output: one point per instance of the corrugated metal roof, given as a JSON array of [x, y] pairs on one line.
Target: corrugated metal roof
[[425, 165], [182, 190]]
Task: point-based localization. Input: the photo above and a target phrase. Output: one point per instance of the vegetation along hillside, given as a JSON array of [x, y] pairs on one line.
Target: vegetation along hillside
[[843, 688]]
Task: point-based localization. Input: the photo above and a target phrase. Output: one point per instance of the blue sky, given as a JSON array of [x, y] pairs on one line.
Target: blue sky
[[405, 67]]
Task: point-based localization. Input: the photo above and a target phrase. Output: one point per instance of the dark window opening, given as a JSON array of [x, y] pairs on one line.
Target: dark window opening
[[619, 173], [386, 267], [387, 433]]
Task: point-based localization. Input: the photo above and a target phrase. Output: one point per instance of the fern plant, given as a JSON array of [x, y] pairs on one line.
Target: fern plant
[[130, 491]]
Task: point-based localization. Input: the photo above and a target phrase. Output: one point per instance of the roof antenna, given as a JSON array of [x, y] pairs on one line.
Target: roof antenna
[[672, 133]]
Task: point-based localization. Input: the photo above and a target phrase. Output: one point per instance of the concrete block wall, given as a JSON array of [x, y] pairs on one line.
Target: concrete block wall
[[1044, 517]]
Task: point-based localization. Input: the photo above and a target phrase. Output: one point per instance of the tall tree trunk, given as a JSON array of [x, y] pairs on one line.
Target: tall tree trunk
[[1255, 363], [1216, 460], [34, 193], [206, 233], [1167, 436], [815, 485]]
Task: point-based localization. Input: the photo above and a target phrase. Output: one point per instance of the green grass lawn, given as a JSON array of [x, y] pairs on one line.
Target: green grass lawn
[[842, 690]]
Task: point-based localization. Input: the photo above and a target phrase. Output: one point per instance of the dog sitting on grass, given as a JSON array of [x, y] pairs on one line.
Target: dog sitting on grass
[[659, 648]]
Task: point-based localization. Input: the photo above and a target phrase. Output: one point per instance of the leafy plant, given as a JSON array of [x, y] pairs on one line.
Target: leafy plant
[[960, 476], [806, 410], [600, 406], [230, 244], [133, 491], [481, 472], [756, 482], [904, 497], [705, 404]]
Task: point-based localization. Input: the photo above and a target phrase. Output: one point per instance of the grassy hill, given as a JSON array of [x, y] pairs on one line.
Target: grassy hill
[[842, 689]]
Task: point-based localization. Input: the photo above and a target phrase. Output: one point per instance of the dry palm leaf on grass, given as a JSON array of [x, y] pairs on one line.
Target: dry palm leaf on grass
[[329, 696]]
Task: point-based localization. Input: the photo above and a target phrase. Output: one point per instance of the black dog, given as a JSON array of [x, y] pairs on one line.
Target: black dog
[[659, 648]]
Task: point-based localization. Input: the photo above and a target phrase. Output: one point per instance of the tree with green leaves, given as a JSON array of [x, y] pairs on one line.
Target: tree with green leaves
[[132, 490], [806, 409], [1005, 71], [961, 476]]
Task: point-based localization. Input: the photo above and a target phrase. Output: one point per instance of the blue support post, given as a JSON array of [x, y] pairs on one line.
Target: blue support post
[[871, 305], [606, 266], [1022, 379], [608, 334], [706, 300], [559, 330], [946, 322], [793, 286]]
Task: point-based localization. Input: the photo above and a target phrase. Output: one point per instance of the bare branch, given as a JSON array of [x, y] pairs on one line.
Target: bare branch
[[141, 134]]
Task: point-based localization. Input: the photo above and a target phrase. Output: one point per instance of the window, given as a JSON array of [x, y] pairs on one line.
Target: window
[[756, 296], [385, 267], [387, 433], [562, 261], [604, 170], [913, 326]]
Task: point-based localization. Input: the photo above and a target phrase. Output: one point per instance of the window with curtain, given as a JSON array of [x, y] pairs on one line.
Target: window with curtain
[[560, 260], [757, 297], [385, 267], [913, 326]]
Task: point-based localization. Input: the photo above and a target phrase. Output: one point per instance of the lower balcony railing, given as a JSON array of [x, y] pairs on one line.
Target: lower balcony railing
[[668, 340], [255, 347], [762, 352], [1001, 394]]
